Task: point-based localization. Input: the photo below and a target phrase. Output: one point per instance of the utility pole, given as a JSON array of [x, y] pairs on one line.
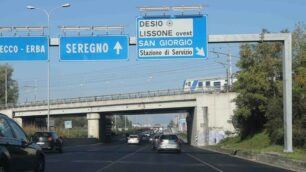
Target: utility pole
[[6, 92], [229, 69], [35, 89], [115, 123], [124, 122], [227, 65]]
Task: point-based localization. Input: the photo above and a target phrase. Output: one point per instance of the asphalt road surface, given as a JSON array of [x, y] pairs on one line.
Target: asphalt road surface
[[120, 157]]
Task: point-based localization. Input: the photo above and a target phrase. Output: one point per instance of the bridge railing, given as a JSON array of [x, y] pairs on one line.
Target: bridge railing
[[143, 94]]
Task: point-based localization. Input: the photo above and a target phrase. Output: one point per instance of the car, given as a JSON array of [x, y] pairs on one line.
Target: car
[[17, 153], [48, 141], [145, 138], [133, 139], [168, 142]]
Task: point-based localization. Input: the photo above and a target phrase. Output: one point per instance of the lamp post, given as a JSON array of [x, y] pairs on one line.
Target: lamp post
[[48, 14], [6, 83]]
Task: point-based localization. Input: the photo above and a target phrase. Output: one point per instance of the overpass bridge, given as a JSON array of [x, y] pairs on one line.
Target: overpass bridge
[[208, 112]]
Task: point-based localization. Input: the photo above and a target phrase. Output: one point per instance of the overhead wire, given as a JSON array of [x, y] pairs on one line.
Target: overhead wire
[[142, 75], [92, 77], [57, 87], [126, 65]]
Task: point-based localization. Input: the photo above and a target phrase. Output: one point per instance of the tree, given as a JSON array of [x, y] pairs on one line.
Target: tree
[[275, 122], [259, 103], [258, 81], [6, 71], [299, 84], [171, 124]]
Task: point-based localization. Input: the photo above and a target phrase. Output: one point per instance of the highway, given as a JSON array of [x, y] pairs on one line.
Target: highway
[[120, 157]]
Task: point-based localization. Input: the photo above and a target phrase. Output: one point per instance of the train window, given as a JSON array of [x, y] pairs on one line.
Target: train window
[[189, 84], [217, 84], [201, 84], [207, 84]]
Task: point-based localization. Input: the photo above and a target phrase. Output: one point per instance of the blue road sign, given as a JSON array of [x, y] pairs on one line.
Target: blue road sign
[[94, 48], [23, 48], [172, 37]]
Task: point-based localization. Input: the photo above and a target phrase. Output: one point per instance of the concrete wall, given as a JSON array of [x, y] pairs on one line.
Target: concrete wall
[[199, 129], [7, 112], [212, 118]]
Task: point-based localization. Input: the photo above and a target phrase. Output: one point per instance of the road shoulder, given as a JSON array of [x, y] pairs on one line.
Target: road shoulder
[[265, 158]]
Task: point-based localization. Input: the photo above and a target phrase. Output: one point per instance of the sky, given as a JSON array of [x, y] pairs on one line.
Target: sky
[[79, 79]]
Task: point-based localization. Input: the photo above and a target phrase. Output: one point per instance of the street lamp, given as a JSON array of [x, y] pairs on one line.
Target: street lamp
[[48, 14]]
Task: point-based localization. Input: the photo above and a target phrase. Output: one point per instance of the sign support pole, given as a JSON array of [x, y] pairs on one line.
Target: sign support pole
[[286, 39]]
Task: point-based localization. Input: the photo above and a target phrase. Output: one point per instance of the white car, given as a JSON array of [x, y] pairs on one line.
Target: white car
[[133, 139], [169, 142]]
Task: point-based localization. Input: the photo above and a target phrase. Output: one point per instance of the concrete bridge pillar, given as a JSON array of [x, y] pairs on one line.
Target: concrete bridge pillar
[[93, 125], [199, 130]]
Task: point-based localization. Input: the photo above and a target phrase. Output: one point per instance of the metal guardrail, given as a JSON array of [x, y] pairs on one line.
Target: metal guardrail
[[144, 94]]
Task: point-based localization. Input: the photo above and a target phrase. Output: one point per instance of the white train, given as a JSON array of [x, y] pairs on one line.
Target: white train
[[207, 84]]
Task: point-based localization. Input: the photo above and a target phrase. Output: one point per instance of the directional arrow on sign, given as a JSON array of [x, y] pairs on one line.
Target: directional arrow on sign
[[118, 47], [200, 51]]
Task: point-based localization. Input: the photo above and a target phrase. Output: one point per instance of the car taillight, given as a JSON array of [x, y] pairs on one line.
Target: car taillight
[[49, 138]]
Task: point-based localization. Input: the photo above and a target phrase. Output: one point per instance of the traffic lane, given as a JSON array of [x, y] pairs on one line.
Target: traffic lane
[[228, 163], [191, 159], [87, 158], [122, 157], [149, 160]]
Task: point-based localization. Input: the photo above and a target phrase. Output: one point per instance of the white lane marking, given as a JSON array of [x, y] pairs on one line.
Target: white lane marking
[[120, 159], [203, 162], [81, 161], [92, 161], [162, 163], [76, 146]]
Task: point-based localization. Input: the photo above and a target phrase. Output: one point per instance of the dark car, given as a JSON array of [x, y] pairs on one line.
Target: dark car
[[17, 153], [48, 141]]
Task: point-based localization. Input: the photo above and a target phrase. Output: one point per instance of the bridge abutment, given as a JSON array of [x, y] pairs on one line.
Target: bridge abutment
[[199, 129], [7, 112], [93, 125], [19, 121]]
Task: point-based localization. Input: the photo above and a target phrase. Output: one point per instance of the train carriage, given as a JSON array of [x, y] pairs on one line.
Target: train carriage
[[211, 84]]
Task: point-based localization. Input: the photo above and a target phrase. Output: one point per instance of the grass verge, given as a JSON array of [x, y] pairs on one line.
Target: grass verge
[[260, 143]]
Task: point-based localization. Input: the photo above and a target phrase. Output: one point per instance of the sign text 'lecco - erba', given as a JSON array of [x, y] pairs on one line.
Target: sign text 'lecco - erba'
[[23, 48], [164, 38], [94, 48]]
